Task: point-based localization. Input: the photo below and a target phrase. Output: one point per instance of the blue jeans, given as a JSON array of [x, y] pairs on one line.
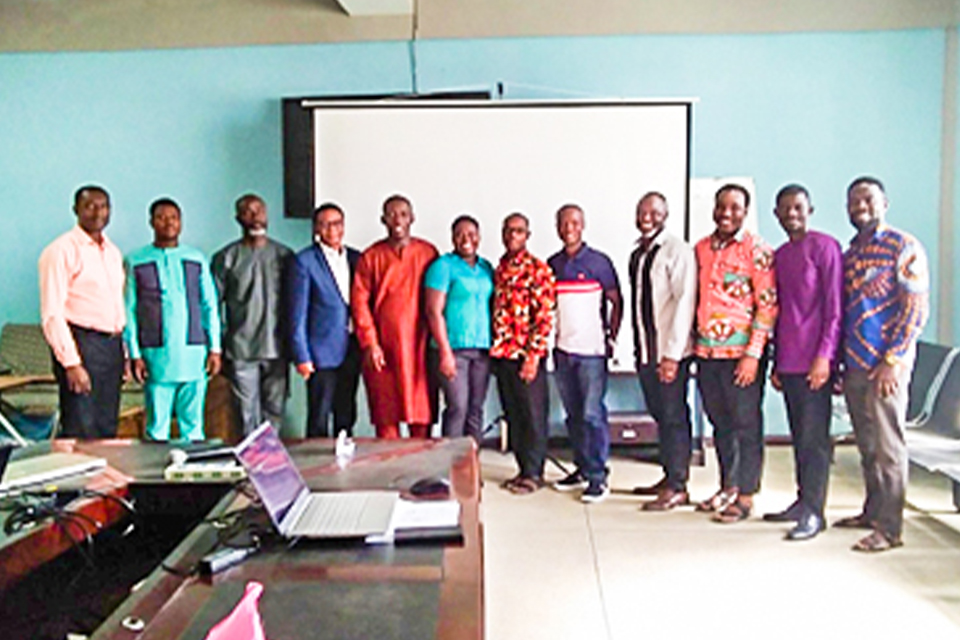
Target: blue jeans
[[582, 383]]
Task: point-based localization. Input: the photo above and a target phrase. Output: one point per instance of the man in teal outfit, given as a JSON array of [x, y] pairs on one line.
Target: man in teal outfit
[[173, 329]]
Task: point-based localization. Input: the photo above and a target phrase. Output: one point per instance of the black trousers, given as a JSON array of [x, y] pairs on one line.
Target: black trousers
[[809, 413], [334, 391], [93, 415], [667, 404], [737, 419], [526, 407]]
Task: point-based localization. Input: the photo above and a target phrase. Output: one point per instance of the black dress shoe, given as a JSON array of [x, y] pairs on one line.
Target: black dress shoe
[[859, 521], [790, 514], [807, 527]]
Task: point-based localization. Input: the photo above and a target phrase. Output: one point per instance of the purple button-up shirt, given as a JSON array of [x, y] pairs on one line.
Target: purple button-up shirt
[[810, 290]]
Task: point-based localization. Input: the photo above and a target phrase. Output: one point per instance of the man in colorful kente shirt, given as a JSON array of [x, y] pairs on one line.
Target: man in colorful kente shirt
[[886, 287], [736, 312]]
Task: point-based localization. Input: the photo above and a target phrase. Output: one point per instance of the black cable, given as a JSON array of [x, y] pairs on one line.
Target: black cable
[[125, 504], [62, 518], [236, 529]]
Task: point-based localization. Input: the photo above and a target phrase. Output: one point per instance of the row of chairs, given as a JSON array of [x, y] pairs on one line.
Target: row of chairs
[[933, 414]]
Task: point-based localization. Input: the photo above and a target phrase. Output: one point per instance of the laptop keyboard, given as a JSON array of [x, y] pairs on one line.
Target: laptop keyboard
[[347, 513]]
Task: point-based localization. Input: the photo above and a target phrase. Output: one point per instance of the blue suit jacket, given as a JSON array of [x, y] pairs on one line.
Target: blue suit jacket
[[320, 315]]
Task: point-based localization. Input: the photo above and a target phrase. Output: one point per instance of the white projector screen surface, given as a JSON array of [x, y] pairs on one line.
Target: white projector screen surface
[[489, 159]]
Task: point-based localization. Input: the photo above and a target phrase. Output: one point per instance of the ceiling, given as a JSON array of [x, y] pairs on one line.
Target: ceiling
[[93, 25]]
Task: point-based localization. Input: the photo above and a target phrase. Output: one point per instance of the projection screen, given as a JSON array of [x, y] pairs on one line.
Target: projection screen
[[491, 158]]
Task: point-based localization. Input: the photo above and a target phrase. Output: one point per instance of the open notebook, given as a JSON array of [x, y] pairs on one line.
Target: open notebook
[[294, 509]]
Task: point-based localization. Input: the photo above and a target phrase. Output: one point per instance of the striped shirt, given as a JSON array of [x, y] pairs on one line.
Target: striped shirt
[[886, 288], [582, 280]]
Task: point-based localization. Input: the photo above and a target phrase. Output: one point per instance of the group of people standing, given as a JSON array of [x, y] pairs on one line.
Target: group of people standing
[[416, 324], [825, 320]]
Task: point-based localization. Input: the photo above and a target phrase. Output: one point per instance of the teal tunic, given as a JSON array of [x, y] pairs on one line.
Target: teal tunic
[[172, 318]]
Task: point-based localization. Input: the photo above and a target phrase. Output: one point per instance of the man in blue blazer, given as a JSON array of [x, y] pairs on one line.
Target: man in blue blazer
[[325, 349]]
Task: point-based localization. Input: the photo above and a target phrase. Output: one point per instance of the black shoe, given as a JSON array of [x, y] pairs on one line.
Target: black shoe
[[807, 527], [595, 492], [572, 482], [651, 490], [790, 514], [859, 521]]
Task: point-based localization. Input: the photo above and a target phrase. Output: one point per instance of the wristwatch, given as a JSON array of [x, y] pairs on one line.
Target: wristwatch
[[891, 359]]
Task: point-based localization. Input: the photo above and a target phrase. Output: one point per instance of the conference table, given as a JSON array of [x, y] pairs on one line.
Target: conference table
[[24, 551], [330, 589]]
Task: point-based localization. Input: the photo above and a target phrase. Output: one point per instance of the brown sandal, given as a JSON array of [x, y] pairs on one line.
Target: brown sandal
[[509, 482], [877, 542], [525, 486], [720, 500], [736, 512]]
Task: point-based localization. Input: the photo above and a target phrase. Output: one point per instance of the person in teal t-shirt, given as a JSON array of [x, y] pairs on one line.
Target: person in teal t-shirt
[[173, 328], [459, 287]]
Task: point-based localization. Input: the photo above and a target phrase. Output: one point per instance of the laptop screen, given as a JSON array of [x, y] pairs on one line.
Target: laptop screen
[[271, 470]]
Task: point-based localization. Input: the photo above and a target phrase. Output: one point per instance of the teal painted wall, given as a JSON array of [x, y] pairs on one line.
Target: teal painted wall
[[204, 125], [815, 108]]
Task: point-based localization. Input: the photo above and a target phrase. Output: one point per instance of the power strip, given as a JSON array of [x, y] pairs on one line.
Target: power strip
[[212, 472], [224, 559]]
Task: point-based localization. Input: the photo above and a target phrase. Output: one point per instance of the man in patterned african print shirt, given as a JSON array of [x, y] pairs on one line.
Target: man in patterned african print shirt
[[886, 287], [524, 297], [736, 312]]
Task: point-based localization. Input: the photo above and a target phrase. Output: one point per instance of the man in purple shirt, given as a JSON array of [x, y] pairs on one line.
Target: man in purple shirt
[[809, 288]]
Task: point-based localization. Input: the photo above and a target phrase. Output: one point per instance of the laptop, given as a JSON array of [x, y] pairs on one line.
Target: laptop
[[297, 512], [29, 469]]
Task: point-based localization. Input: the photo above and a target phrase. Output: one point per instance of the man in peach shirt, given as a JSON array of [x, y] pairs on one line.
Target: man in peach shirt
[[82, 314]]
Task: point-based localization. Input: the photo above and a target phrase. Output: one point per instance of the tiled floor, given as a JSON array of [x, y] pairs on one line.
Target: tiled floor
[[558, 569]]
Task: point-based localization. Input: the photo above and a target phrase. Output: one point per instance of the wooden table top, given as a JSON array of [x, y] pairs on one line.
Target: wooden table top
[[321, 590]]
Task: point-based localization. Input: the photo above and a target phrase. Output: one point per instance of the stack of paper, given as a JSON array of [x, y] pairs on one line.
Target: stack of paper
[[422, 520]]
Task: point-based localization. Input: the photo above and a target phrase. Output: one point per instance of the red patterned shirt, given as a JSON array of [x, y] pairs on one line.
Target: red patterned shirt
[[737, 305], [523, 301]]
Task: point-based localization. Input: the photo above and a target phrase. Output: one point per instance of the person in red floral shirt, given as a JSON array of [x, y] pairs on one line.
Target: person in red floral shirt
[[736, 312], [524, 297]]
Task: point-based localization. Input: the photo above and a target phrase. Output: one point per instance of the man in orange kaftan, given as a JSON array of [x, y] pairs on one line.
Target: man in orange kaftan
[[391, 326]]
